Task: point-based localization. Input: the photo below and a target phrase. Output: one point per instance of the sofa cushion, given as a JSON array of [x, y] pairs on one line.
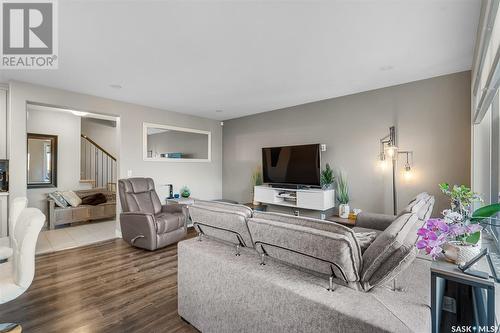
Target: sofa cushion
[[305, 222], [58, 199], [71, 197], [383, 257], [315, 224], [413, 207], [366, 238], [167, 222], [313, 249], [425, 212], [226, 225], [421, 205], [226, 206]]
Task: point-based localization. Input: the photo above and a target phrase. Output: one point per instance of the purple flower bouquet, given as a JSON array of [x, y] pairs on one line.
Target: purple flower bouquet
[[438, 232]]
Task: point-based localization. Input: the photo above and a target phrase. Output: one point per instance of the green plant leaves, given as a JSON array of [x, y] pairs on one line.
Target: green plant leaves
[[257, 176], [342, 189], [485, 212], [473, 238], [327, 176]]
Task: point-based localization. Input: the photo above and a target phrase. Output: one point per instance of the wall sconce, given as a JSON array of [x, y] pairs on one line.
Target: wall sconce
[[389, 149]]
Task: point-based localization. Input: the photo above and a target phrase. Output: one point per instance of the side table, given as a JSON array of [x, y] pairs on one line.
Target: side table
[[340, 220], [182, 201], [483, 294]]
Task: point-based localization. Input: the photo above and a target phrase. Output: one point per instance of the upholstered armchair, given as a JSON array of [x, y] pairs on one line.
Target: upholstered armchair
[[145, 222]]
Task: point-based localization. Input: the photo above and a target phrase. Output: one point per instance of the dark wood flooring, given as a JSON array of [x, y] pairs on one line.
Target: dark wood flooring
[[106, 287]]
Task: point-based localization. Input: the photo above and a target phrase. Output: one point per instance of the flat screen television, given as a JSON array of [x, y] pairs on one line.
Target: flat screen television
[[294, 165]]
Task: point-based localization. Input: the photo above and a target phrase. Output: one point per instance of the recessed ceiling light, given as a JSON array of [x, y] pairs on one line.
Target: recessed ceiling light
[[116, 86], [218, 111], [386, 68]]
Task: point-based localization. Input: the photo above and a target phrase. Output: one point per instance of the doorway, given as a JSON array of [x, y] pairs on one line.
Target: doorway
[[79, 167]]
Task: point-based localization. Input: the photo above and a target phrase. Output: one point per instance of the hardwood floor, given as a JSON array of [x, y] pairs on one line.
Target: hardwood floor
[[106, 287]]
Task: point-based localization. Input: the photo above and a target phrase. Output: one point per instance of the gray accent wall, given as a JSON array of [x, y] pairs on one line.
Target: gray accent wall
[[432, 118]]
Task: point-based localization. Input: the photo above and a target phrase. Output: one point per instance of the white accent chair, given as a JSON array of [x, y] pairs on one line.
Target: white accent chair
[[17, 274], [16, 207]]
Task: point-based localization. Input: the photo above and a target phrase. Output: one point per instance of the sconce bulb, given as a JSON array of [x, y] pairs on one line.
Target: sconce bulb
[[382, 164], [408, 174]]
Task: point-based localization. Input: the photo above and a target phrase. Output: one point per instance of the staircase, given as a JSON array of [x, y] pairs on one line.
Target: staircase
[[98, 167]]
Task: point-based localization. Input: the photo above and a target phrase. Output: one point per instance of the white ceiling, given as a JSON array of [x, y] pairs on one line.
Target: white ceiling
[[245, 57]]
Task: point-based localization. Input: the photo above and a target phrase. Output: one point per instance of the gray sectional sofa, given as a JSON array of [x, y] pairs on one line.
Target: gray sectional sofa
[[268, 272]]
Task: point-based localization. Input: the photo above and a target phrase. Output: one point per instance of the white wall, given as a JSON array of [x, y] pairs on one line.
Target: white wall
[[102, 133], [204, 179], [67, 128]]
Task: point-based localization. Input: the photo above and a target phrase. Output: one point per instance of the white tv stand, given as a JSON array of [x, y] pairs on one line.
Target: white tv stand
[[315, 199]]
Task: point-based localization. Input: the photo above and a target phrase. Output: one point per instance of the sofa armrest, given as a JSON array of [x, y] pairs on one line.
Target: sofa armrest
[[5, 253], [177, 208], [139, 229], [374, 221]]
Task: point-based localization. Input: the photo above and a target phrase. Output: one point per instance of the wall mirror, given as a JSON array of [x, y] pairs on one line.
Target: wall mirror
[[42, 160], [176, 144]]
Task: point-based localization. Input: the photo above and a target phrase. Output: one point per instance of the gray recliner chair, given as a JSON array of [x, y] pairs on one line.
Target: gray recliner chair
[[145, 222]]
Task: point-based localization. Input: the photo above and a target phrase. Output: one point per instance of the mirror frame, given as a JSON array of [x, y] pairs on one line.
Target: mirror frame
[[145, 127], [53, 162]]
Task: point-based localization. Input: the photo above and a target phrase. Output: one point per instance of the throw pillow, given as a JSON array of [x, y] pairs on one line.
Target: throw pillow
[[58, 199], [71, 197]]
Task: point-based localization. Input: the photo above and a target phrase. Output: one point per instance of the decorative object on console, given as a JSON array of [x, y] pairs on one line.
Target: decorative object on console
[[389, 149], [256, 181], [185, 192], [327, 177], [457, 235], [170, 191], [343, 196]]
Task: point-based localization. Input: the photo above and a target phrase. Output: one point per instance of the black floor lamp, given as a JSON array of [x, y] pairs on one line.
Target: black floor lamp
[[389, 149]]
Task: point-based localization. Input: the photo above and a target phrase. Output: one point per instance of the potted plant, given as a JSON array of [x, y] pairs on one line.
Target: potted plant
[[457, 235], [256, 180], [327, 177], [343, 196]]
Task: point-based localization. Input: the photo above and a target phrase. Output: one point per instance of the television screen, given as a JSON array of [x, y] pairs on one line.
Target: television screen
[[298, 165]]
